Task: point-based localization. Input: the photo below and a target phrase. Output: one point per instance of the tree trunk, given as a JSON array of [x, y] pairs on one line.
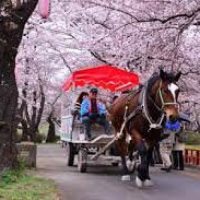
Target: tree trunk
[[24, 130], [12, 21], [51, 136], [8, 104]]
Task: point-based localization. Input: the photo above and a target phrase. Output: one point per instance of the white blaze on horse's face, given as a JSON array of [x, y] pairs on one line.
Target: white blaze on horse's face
[[171, 108], [173, 88]]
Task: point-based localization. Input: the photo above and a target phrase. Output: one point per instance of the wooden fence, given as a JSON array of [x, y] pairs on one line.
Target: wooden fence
[[192, 157]]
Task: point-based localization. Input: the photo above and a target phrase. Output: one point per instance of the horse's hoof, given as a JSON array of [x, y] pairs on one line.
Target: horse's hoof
[[126, 178], [138, 182], [148, 183]]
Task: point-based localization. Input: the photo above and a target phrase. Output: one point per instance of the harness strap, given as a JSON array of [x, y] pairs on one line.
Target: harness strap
[[131, 115], [153, 124], [142, 105], [126, 119], [152, 101]]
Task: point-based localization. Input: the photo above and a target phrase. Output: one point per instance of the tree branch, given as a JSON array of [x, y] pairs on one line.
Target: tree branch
[[62, 57], [40, 111], [189, 14], [98, 57], [191, 71]]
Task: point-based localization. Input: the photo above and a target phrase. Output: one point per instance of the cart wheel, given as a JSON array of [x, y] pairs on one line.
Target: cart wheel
[[70, 154], [82, 160]]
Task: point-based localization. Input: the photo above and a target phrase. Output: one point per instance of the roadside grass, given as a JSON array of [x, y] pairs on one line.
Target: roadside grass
[[43, 129], [193, 139], [16, 185], [193, 147]]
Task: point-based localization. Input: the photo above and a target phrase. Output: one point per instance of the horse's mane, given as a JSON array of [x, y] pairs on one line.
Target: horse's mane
[[152, 80], [170, 77]]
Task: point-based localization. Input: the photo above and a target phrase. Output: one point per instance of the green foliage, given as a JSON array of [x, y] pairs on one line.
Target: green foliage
[[11, 176], [40, 138], [43, 128], [16, 185], [193, 138], [18, 135], [57, 138], [193, 147]]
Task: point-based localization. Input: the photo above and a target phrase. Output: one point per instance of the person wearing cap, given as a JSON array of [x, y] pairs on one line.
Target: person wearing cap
[[93, 111]]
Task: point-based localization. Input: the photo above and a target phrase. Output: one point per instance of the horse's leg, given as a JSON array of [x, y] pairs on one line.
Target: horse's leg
[[131, 162], [147, 182], [143, 167], [122, 148], [126, 174], [143, 178]]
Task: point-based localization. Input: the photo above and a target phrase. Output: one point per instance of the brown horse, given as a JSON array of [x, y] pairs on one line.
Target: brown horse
[[141, 116]]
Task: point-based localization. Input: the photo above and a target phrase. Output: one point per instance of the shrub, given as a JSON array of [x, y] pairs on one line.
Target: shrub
[[18, 135], [40, 137], [193, 138], [11, 176]]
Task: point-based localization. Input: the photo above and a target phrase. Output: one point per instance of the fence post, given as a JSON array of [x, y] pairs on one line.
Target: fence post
[[186, 156], [198, 157]]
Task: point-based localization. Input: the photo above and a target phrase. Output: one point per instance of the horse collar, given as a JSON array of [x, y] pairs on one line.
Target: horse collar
[[153, 124]]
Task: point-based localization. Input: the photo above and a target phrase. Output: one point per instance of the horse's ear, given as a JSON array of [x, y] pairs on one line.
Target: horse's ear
[[163, 75], [177, 76]]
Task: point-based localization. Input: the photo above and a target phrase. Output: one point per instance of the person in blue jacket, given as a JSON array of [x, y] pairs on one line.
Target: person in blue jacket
[[93, 111]]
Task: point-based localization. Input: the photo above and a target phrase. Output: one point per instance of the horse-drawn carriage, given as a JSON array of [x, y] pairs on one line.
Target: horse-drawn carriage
[[138, 117], [109, 80]]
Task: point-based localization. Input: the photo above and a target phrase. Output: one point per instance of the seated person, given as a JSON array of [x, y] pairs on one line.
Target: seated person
[[93, 111], [77, 106]]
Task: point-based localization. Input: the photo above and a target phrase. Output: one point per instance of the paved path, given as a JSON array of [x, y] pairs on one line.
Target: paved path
[[103, 183]]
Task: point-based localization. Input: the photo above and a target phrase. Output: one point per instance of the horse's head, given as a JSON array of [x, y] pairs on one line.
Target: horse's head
[[167, 92]]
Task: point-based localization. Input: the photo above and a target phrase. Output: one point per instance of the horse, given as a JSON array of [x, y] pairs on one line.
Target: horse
[[140, 117]]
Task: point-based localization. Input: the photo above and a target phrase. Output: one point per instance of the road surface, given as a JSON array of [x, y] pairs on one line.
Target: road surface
[[103, 182]]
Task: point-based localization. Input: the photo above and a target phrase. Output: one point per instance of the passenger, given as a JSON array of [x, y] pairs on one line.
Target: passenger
[[77, 106], [93, 111]]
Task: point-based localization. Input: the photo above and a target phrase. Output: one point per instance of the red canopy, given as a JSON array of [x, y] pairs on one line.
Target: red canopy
[[106, 77]]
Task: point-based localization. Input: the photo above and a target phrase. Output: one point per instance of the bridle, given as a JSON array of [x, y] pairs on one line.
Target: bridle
[[155, 124], [159, 92]]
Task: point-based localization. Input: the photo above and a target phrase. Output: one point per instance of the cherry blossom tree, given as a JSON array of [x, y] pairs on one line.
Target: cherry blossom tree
[[138, 35], [13, 16]]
